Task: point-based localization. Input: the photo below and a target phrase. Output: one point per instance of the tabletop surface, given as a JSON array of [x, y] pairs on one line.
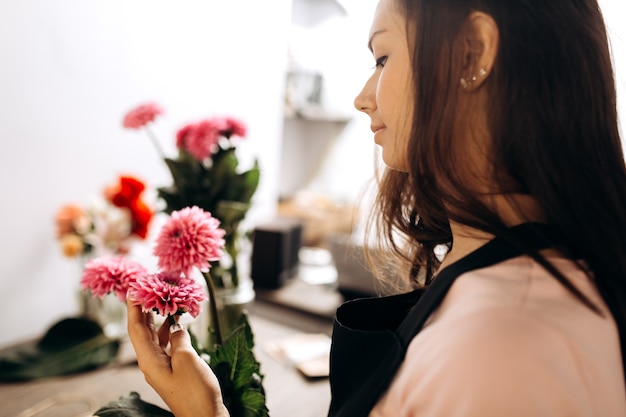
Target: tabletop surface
[[288, 392]]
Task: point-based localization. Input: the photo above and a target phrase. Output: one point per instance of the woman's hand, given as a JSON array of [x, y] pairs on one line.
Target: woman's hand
[[181, 378]]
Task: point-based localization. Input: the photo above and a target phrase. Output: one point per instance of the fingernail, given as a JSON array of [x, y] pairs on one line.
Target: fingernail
[[176, 327]]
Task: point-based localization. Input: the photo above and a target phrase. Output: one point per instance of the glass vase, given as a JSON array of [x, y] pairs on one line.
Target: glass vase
[[233, 291], [109, 312], [230, 305]]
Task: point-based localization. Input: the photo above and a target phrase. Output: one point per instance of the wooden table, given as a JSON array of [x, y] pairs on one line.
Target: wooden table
[[289, 394]]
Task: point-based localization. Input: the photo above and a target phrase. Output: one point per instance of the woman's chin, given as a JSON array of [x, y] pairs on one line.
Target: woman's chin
[[394, 163]]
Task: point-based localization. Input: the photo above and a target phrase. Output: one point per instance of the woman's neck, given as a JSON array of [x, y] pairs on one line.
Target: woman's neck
[[513, 209], [465, 240]]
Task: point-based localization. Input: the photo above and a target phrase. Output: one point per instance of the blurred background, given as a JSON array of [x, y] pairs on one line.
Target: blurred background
[[71, 69]]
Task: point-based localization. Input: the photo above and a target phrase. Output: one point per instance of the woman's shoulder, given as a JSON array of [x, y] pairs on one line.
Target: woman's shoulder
[[521, 287], [518, 308], [496, 342], [490, 365], [507, 344]]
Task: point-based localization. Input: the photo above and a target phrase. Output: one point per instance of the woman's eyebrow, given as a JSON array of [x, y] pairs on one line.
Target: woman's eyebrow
[[369, 44]]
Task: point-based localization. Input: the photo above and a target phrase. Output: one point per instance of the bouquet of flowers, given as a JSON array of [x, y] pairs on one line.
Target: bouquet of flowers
[[190, 240], [206, 173], [107, 226]]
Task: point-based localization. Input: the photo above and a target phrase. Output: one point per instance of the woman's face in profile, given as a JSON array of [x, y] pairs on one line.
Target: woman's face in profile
[[387, 96]]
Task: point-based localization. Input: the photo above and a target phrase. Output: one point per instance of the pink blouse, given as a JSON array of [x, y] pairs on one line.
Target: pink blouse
[[509, 340]]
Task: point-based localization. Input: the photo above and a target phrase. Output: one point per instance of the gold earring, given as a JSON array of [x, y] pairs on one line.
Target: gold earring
[[467, 82]]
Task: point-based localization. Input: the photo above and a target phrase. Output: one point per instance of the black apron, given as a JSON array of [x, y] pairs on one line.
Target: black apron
[[371, 335]]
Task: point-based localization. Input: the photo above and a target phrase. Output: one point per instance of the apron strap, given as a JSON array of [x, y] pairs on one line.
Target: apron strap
[[528, 235]]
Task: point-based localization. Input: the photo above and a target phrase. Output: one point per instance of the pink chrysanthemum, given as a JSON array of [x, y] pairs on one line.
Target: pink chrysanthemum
[[167, 293], [199, 139], [182, 134], [111, 274], [190, 238], [233, 127], [142, 115]]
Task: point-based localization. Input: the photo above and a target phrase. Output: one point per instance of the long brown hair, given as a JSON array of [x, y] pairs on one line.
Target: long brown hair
[[553, 124]]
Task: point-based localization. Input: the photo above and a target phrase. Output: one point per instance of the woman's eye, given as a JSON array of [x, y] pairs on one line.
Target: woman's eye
[[380, 62]]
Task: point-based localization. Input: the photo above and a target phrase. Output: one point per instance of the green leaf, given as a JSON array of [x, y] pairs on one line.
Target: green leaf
[[171, 197], [253, 402], [239, 374], [70, 346], [250, 182], [131, 406], [223, 171], [207, 184], [184, 172], [241, 187], [230, 214], [223, 152]]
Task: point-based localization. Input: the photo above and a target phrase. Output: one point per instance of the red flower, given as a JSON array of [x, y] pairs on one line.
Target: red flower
[[127, 194], [141, 215], [142, 115], [124, 193]]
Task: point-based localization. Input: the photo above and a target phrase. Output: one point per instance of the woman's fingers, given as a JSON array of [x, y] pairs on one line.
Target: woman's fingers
[[180, 341], [145, 341], [183, 379], [164, 334], [140, 325]]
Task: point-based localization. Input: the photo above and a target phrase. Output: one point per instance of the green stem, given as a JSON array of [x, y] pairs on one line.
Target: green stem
[[155, 142], [231, 248], [234, 273], [215, 321]]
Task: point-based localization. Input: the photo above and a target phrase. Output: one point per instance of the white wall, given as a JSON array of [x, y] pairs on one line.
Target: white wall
[[333, 43], [70, 70], [614, 13]]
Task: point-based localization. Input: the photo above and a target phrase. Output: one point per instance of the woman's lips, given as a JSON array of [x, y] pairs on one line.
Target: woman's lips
[[377, 131]]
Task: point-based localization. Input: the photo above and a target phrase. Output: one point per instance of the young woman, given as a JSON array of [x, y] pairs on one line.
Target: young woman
[[497, 123]]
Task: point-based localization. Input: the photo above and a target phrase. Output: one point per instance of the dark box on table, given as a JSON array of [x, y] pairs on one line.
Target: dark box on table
[[275, 250]]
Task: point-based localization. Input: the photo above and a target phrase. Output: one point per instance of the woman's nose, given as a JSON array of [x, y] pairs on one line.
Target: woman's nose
[[366, 100]]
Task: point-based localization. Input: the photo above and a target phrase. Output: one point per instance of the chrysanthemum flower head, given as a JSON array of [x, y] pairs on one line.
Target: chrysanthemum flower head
[[200, 139], [142, 115], [111, 274], [167, 293], [190, 238], [233, 127]]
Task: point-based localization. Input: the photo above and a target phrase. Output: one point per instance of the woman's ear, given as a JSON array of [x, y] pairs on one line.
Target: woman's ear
[[480, 38]]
